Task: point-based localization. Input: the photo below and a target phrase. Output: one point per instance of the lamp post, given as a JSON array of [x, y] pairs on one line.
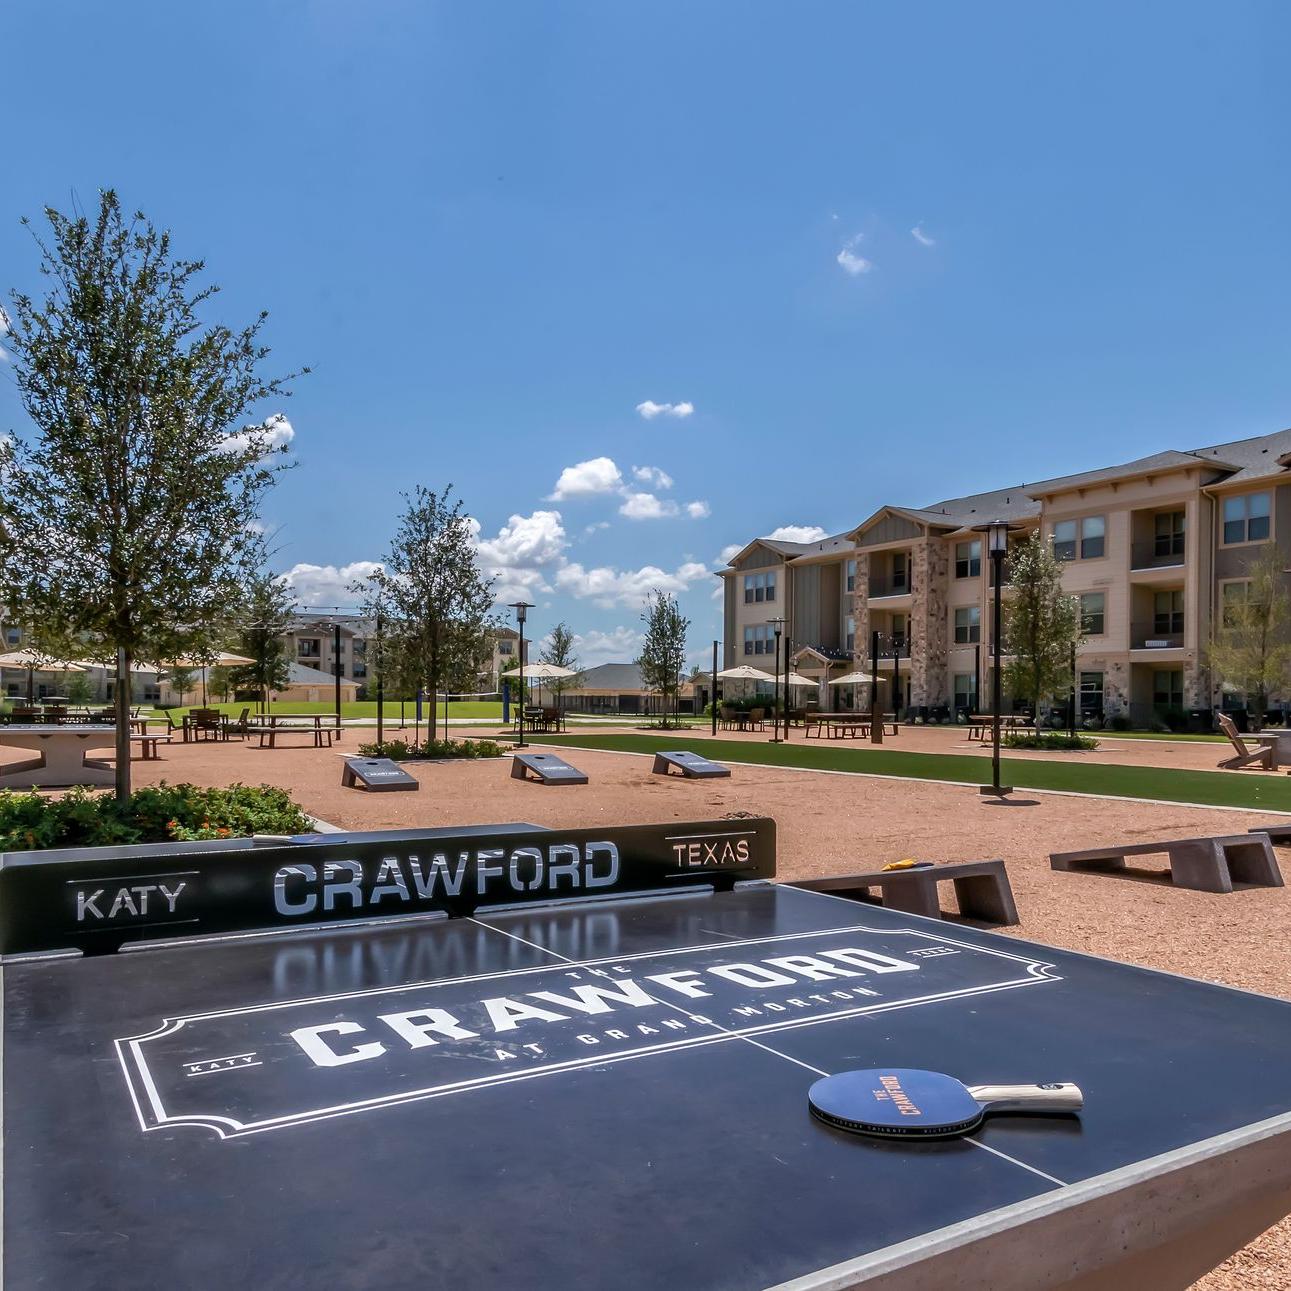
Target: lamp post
[[997, 544], [713, 696], [521, 607], [777, 626]]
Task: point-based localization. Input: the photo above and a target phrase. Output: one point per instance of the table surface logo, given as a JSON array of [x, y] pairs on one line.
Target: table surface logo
[[269, 1066]]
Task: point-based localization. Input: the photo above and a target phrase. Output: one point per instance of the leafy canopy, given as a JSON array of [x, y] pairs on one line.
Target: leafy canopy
[[1041, 624], [1251, 646]]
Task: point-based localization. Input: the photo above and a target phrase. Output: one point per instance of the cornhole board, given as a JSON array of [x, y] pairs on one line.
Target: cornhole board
[[377, 775], [694, 766], [545, 768], [1279, 834]]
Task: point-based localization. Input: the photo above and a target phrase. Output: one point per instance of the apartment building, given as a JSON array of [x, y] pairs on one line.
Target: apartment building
[[1152, 547]]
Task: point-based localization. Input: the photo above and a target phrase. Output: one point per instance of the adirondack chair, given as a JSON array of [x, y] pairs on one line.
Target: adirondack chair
[[1261, 758]]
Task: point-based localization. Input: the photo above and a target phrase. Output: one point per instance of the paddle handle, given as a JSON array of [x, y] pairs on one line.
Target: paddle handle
[[1056, 1097]]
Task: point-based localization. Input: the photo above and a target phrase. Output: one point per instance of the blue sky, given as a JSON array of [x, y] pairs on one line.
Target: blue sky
[[872, 253]]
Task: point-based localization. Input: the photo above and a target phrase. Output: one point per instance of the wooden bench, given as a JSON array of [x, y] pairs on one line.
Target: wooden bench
[[318, 734], [148, 751], [981, 887], [1202, 864]]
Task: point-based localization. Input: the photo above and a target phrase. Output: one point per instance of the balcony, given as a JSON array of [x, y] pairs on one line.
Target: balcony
[[1159, 553], [880, 587], [1157, 635]]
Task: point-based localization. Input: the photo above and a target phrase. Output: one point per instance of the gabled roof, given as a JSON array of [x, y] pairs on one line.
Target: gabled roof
[[301, 674], [839, 542]]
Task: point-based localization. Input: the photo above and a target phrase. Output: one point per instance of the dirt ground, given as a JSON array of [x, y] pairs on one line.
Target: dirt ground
[[832, 823]]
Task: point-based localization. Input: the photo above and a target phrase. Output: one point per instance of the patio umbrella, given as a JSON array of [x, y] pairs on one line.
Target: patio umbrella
[[220, 659], [796, 679], [34, 663], [852, 679], [743, 672], [541, 672]]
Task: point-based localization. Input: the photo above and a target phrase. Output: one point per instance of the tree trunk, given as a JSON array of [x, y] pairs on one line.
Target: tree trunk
[[123, 725]]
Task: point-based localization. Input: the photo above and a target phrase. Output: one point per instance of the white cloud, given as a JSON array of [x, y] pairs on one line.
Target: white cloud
[[4, 329], [797, 533], [731, 550], [851, 262], [531, 540], [585, 479], [645, 506], [921, 237], [652, 475], [608, 586], [650, 410], [698, 510], [276, 432], [325, 585], [595, 528], [619, 645]]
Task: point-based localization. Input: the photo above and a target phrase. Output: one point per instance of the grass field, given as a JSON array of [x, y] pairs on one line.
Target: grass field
[[1201, 788], [487, 710]]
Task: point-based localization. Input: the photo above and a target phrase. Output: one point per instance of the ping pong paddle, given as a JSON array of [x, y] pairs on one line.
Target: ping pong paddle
[[903, 1102]]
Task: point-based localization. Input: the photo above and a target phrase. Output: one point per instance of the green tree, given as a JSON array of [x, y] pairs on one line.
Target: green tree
[[559, 650], [220, 682], [124, 523], [1041, 625], [181, 680], [79, 688], [1250, 647], [268, 609], [435, 601], [663, 650]]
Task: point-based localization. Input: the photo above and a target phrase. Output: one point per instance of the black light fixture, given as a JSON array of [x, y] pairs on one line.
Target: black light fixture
[[521, 607], [997, 546], [778, 626]]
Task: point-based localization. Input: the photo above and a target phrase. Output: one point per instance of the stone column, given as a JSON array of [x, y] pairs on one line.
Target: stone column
[[928, 656]]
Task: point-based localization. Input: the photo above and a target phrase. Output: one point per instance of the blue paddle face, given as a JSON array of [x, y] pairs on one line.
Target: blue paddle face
[[895, 1102]]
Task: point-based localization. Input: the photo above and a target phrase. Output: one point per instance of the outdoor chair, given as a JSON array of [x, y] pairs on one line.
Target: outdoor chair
[[173, 726], [726, 718], [26, 714], [757, 718], [206, 723], [239, 726], [1262, 758]]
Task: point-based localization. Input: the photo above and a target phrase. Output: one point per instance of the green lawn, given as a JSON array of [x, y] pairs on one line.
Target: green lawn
[[1202, 788], [487, 710]]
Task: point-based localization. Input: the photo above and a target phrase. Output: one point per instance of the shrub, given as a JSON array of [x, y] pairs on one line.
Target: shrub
[[402, 751], [1117, 722], [1048, 740], [158, 814]]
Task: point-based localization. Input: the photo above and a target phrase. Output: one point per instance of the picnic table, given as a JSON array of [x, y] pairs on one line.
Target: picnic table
[[62, 754], [982, 725], [324, 727], [842, 726], [1279, 741]]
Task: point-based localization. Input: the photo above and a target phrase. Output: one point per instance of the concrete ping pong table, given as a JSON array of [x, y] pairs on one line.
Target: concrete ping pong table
[[516, 1057]]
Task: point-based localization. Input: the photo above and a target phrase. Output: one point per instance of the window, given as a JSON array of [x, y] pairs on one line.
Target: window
[[759, 587], [1168, 535], [759, 639], [1087, 536], [897, 630], [1167, 614], [1091, 694], [851, 576], [359, 647], [1246, 518], [506, 647], [360, 670], [13, 636], [900, 572], [851, 633], [1231, 596], [1093, 532], [307, 648], [1092, 613], [966, 691], [968, 559], [968, 625], [1167, 688]]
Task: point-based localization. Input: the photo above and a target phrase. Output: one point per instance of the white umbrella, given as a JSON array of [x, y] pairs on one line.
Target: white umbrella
[[34, 663], [541, 672], [218, 659], [743, 672], [852, 679], [796, 679]]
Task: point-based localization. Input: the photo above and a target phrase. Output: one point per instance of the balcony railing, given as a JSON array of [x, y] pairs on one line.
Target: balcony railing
[[889, 587], [1155, 554], [1156, 636]]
